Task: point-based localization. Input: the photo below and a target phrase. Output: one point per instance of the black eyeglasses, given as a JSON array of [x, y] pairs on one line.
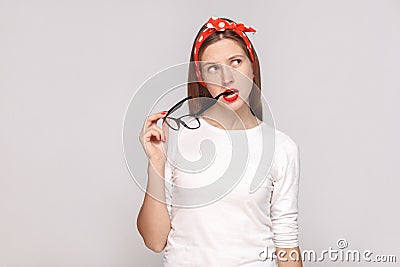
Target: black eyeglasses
[[190, 121]]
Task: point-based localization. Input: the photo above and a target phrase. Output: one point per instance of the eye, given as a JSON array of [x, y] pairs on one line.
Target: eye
[[236, 62], [212, 68]]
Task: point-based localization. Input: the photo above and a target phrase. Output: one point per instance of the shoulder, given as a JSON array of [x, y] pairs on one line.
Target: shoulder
[[286, 154], [285, 144]]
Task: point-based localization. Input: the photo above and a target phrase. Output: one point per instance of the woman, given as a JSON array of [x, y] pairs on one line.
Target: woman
[[238, 229]]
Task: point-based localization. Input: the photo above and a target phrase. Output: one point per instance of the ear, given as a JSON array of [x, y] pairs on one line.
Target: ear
[[252, 73]]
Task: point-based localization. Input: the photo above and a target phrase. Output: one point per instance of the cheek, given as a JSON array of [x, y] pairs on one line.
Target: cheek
[[245, 84], [244, 75], [244, 94], [213, 89]]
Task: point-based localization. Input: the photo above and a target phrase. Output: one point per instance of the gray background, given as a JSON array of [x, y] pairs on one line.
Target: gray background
[[69, 68]]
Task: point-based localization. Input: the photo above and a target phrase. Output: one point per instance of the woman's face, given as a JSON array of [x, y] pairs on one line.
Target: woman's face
[[227, 67]]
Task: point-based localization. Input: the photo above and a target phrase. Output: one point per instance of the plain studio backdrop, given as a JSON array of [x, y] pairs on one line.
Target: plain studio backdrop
[[69, 69]]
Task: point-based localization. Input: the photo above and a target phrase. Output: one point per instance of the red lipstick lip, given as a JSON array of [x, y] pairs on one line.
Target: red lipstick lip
[[230, 98], [234, 90]]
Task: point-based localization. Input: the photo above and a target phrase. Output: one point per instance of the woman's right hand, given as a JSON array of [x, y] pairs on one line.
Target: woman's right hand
[[152, 138]]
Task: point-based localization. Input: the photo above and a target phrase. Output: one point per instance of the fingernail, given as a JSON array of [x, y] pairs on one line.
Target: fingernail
[[165, 111], [165, 138]]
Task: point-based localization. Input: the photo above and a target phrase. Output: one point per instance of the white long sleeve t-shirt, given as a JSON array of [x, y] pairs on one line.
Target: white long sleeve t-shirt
[[241, 228]]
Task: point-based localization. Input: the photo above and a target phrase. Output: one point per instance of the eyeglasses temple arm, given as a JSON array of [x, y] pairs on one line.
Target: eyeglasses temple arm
[[214, 100], [177, 105]]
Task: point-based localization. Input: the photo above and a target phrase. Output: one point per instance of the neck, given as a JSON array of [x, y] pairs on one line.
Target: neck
[[223, 117]]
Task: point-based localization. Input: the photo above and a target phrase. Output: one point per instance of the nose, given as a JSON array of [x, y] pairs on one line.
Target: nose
[[227, 76]]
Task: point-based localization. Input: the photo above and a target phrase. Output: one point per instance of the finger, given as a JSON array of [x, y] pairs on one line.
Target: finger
[[163, 132], [152, 121], [165, 129], [152, 132], [154, 118], [156, 128]]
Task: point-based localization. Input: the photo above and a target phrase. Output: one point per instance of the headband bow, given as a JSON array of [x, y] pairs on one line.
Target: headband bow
[[219, 24]]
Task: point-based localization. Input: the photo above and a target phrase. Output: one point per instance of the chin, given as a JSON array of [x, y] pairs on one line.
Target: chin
[[236, 105]]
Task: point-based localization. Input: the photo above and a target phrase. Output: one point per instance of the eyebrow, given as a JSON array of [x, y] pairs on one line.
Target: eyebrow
[[229, 58]]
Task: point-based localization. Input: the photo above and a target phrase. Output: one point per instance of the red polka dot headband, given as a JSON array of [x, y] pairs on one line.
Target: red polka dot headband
[[219, 24]]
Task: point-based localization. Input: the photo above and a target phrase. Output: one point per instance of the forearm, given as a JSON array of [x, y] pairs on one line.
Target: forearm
[[289, 257], [153, 220]]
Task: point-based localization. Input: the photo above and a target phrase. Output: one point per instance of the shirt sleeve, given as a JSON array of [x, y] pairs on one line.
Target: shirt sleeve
[[284, 207], [168, 186]]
